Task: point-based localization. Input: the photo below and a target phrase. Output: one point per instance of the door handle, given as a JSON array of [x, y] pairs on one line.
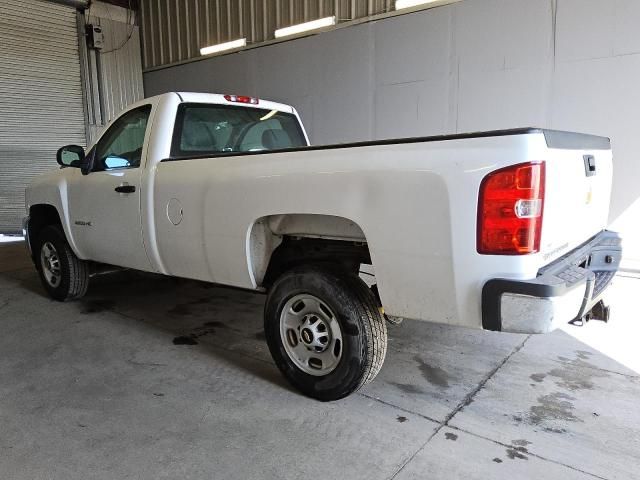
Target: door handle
[[125, 188]]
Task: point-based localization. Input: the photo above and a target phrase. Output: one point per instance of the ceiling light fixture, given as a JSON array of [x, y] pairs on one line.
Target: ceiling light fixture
[[305, 27], [221, 47], [400, 4]]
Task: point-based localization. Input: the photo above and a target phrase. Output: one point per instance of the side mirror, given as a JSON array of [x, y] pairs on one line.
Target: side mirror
[[70, 156]]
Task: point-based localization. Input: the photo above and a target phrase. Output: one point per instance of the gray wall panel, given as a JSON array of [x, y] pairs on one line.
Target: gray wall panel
[[413, 47], [342, 86]]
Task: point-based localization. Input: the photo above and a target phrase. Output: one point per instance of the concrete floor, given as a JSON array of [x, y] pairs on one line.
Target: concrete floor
[[98, 389]]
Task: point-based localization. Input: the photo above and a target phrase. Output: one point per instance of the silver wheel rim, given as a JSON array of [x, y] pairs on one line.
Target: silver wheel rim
[[50, 262], [311, 335]]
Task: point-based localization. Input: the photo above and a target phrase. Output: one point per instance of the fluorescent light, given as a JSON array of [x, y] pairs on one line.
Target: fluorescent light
[[305, 27], [400, 4], [221, 47]]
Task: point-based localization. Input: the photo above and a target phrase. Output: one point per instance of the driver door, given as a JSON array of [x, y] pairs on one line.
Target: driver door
[[104, 206]]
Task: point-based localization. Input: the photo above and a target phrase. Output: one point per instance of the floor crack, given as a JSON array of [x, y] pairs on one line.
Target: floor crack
[[405, 410], [470, 396], [465, 401], [408, 461]]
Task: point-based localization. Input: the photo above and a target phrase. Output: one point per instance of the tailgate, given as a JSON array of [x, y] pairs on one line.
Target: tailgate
[[578, 190]]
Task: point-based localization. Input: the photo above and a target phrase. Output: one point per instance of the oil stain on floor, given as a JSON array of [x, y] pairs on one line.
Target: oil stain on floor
[[554, 410], [97, 306], [408, 388], [574, 374], [208, 328], [433, 375]]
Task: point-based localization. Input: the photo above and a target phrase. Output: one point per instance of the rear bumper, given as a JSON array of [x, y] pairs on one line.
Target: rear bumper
[[563, 291]]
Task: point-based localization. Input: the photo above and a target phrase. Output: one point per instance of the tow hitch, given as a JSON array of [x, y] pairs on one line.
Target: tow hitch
[[600, 312]]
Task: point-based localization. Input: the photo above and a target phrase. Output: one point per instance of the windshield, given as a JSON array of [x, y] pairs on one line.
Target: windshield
[[210, 129]]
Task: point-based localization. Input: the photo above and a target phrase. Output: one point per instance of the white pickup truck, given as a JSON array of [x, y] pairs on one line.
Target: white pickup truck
[[499, 230]]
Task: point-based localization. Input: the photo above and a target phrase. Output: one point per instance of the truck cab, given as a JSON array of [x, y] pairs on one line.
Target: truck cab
[[103, 210]]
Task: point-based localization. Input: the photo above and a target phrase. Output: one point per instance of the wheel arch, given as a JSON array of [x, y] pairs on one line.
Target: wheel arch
[[278, 242], [40, 216]]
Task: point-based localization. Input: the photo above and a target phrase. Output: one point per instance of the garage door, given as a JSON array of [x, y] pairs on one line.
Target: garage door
[[40, 96]]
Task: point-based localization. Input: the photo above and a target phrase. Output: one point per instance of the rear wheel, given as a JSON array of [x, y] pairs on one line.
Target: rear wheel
[[63, 275], [325, 331]]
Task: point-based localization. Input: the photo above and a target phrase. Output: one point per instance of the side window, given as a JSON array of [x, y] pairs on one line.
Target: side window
[[121, 145]]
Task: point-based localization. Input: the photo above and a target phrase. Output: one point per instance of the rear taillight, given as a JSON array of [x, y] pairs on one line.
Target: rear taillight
[[510, 208], [241, 99]]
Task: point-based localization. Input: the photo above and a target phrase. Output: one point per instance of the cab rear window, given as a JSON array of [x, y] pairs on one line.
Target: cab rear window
[[203, 129]]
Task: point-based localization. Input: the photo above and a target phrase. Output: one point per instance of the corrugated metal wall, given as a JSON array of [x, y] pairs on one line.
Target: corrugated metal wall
[[40, 96], [121, 69], [115, 71], [175, 30]]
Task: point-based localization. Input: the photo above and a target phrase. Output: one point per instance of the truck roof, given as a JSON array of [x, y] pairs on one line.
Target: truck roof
[[220, 98]]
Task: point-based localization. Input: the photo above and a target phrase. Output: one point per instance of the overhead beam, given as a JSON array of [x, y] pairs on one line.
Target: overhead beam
[[84, 4], [79, 4]]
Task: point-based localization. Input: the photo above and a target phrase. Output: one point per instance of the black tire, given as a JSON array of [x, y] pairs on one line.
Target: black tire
[[363, 330], [73, 273]]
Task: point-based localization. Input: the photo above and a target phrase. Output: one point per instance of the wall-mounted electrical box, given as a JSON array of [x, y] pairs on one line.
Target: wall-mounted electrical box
[[95, 37]]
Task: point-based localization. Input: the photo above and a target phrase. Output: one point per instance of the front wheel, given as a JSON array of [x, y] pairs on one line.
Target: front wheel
[[325, 331], [63, 275]]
